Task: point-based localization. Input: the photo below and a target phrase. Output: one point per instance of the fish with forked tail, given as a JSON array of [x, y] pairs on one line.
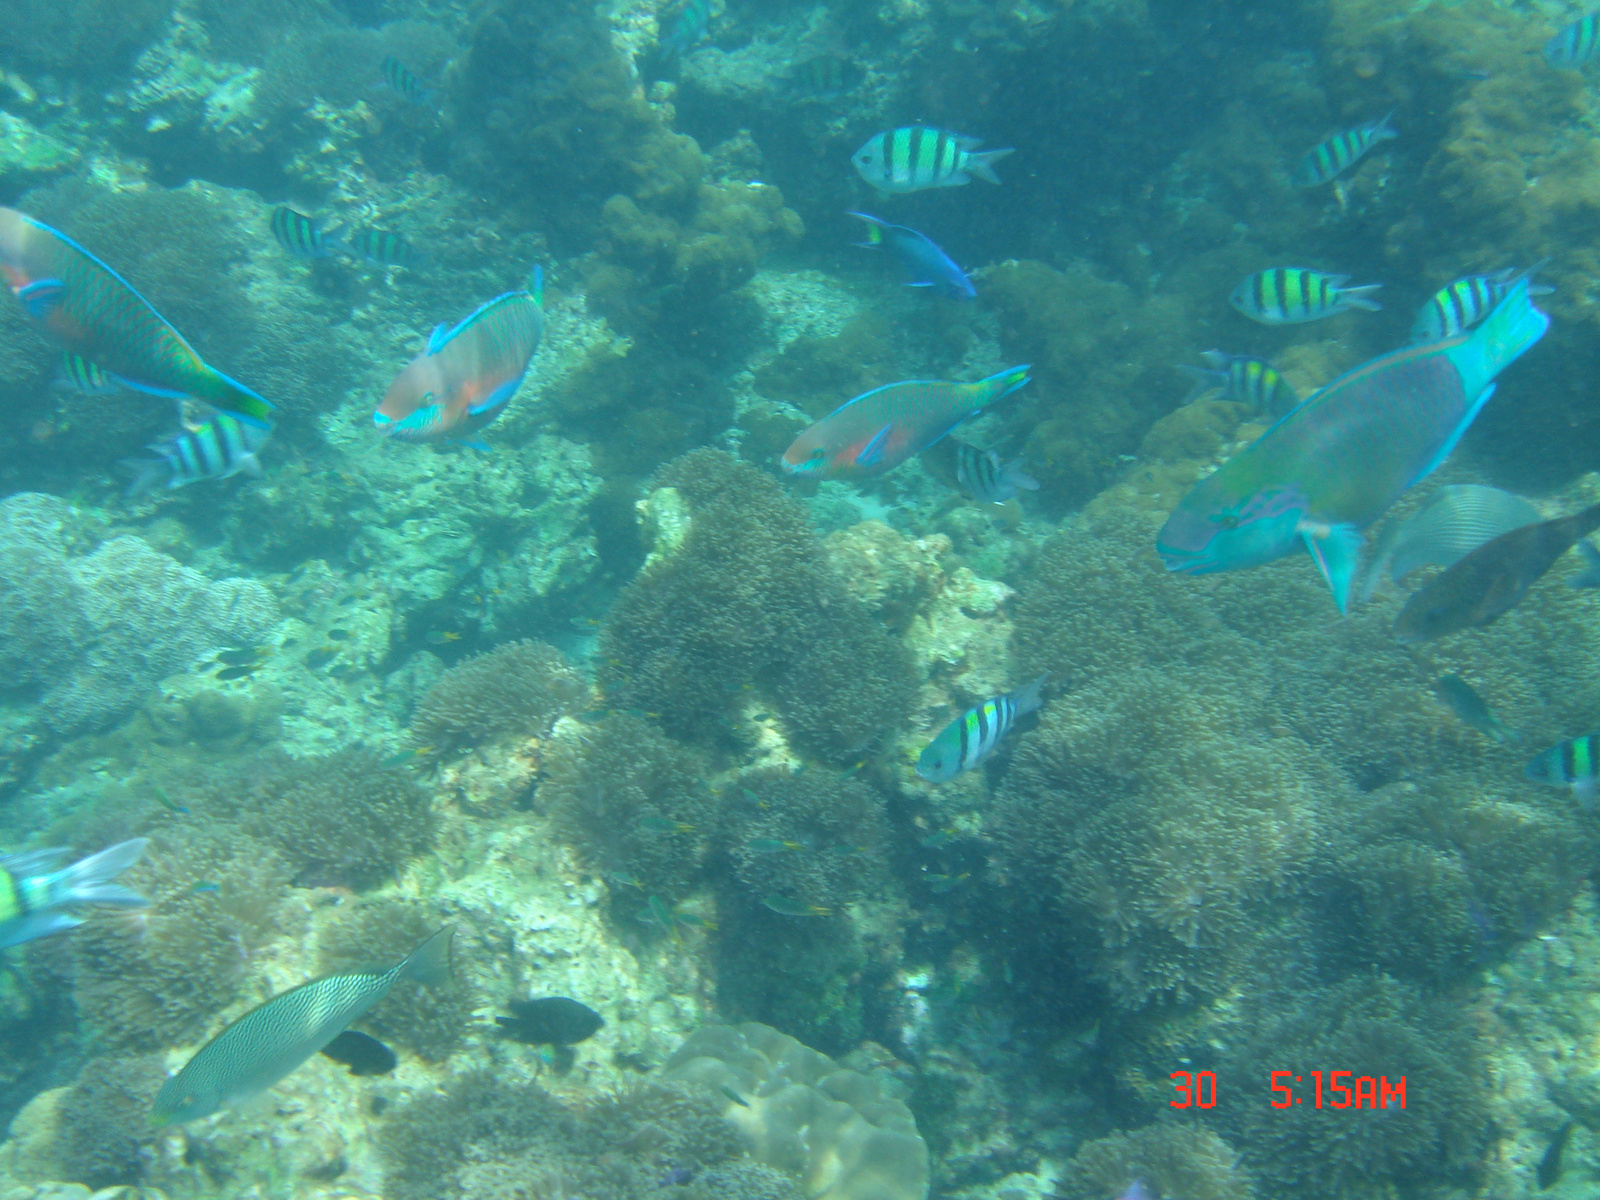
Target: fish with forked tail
[[36, 892]]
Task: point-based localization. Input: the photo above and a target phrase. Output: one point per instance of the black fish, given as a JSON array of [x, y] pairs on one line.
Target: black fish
[[1492, 580], [363, 1054], [549, 1021], [1550, 1164]]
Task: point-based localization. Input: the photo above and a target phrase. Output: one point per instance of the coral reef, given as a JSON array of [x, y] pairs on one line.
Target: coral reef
[[516, 689], [103, 1135], [1170, 1160]]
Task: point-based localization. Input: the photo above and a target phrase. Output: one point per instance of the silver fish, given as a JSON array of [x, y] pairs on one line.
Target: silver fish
[[1455, 521], [274, 1038]]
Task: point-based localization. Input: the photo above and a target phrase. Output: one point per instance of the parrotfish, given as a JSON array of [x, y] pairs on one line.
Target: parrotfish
[[683, 30], [1492, 580], [913, 158], [927, 265], [92, 312], [1458, 306], [36, 892], [984, 477], [1294, 295], [880, 429], [973, 736], [467, 375], [1455, 521], [1244, 379], [275, 1037], [1323, 473], [1330, 159]]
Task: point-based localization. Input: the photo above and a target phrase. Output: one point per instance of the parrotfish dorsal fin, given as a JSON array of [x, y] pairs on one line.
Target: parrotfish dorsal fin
[[439, 336], [1337, 551]]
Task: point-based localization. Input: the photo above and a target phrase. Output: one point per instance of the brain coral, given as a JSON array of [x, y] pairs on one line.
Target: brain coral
[[741, 598], [516, 689], [832, 1128]]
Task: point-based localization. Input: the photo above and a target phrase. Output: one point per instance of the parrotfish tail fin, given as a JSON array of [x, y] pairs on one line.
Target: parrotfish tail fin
[[429, 963], [232, 396], [1360, 297], [1590, 575], [87, 881], [1012, 377], [982, 163], [1204, 381], [1027, 698], [874, 229], [1336, 551], [1013, 475], [1510, 328], [1377, 564]]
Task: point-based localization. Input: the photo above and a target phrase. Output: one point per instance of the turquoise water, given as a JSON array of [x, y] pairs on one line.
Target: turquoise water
[[437, 522]]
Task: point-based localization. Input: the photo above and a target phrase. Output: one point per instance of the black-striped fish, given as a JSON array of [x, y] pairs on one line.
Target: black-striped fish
[[220, 447], [973, 736], [1244, 379], [913, 158], [303, 236], [1327, 160], [399, 77], [824, 77], [381, 246], [79, 374], [1574, 763], [1457, 307], [983, 477], [1576, 45], [1292, 295], [271, 1040]]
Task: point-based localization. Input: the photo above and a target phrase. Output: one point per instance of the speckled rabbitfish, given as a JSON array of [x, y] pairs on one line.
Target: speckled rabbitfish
[[973, 736], [1574, 763], [1242, 378], [985, 478], [1329, 159], [1334, 465], [880, 429], [1576, 45], [399, 77], [303, 236], [274, 1038], [92, 312], [1457, 307], [1293, 295], [467, 375], [1451, 524], [35, 895], [928, 266], [913, 158], [222, 447]]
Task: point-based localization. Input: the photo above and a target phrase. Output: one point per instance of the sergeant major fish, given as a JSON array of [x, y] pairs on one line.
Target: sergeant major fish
[[1574, 764], [275, 1037], [1333, 466], [1244, 379], [983, 477], [1576, 45], [399, 77], [1330, 159], [973, 736], [78, 374], [927, 265], [219, 448], [35, 895], [1294, 295], [1457, 307], [880, 429], [913, 158], [303, 236]]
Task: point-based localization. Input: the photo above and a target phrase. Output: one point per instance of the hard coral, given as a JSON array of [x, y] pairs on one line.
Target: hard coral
[[517, 689], [1170, 1160]]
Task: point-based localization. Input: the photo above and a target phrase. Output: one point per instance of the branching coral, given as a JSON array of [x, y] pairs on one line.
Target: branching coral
[[517, 689]]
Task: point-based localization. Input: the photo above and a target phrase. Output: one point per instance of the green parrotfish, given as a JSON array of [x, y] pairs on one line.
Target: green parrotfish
[[95, 314], [1323, 473]]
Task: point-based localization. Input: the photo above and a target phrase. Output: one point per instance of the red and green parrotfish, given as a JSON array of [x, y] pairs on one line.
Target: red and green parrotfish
[[93, 313], [1333, 466], [880, 429], [467, 375]]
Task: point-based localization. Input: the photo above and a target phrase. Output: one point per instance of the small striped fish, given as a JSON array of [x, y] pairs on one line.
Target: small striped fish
[[381, 246], [399, 77], [302, 236], [1459, 306], [1291, 295], [1244, 379], [913, 158], [1330, 159], [1576, 45], [1574, 763], [216, 449], [973, 736], [271, 1040], [983, 477], [79, 374]]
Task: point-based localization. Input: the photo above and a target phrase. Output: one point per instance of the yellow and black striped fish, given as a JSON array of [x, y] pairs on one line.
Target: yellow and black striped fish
[[1576, 45], [398, 76], [1244, 379], [1457, 307], [218, 449], [1574, 763], [79, 374], [303, 236], [913, 158], [1330, 159], [973, 736], [1291, 295]]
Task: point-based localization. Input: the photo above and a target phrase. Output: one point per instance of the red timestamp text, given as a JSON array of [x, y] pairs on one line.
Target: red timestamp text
[[1344, 1089]]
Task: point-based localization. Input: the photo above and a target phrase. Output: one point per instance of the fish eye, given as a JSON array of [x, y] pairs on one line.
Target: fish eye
[[818, 453], [1229, 521]]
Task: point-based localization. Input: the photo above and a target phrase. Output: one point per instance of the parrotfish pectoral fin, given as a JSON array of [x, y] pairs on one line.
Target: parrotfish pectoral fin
[[1455, 435], [873, 451], [439, 336], [41, 296], [1336, 551], [500, 396]]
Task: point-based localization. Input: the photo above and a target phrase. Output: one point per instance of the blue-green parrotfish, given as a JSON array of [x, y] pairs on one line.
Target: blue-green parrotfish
[[36, 892], [275, 1037], [1295, 295], [687, 25], [913, 158], [973, 736], [92, 312], [467, 375], [1328, 160], [927, 265], [1319, 476], [880, 429]]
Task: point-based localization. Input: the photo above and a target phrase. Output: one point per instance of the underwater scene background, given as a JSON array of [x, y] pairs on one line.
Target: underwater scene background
[[664, 788]]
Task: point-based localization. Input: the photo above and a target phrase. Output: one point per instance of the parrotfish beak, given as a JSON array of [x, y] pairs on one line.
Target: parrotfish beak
[[1198, 543], [812, 464]]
